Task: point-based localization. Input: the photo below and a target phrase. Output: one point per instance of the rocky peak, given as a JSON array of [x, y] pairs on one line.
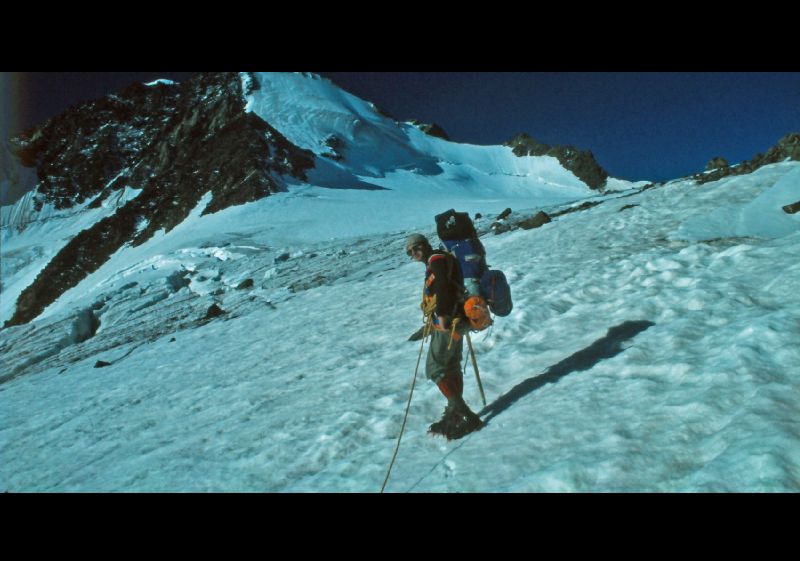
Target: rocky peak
[[174, 142], [580, 162], [787, 147], [717, 163], [79, 151], [525, 145], [431, 129], [790, 144]]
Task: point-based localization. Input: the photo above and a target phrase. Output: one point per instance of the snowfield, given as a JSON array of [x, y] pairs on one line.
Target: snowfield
[[653, 344]]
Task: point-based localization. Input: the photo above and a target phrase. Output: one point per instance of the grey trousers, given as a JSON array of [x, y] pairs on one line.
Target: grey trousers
[[441, 361]]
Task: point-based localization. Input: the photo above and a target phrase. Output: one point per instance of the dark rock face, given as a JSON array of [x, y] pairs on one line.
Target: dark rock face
[[536, 221], [434, 130], [175, 143], [214, 311], [716, 163], [792, 208], [788, 147], [431, 129], [525, 145], [579, 162], [540, 219], [245, 284], [83, 255], [335, 148], [584, 206], [78, 152]]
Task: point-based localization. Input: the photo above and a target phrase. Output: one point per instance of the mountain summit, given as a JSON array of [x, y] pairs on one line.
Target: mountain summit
[[167, 143], [138, 162]]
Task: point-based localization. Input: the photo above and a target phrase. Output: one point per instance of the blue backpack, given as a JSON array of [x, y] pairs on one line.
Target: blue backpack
[[458, 235], [495, 289]]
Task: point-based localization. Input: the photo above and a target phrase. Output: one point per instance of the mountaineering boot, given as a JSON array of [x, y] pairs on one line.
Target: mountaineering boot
[[443, 425], [457, 421], [462, 421]]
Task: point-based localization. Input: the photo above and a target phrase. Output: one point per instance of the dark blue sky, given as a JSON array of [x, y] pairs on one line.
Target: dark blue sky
[[654, 126]]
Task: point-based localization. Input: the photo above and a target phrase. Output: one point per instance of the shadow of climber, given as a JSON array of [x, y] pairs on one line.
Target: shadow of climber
[[606, 347]]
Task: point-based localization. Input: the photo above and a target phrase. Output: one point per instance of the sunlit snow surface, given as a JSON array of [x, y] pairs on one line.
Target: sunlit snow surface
[[651, 348]]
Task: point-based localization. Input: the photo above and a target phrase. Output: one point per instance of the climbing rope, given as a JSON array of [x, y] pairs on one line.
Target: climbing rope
[[425, 334]]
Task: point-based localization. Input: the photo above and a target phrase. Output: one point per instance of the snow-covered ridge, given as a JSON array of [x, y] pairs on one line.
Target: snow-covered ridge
[[311, 112], [31, 238], [308, 110], [22, 214], [347, 132]]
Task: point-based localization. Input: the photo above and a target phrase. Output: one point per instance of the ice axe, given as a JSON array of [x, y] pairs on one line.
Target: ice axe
[[475, 366]]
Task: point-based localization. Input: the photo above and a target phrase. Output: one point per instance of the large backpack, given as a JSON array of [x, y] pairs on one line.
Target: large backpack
[[458, 235]]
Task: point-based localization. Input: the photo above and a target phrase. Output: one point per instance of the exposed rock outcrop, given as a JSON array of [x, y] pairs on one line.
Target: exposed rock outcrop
[[503, 215], [431, 129], [214, 311], [792, 208], [538, 220], [175, 143], [787, 147], [580, 162], [717, 163], [245, 284], [335, 148]]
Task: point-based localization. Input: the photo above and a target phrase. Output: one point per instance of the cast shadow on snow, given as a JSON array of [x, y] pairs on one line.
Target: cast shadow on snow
[[332, 176], [608, 346]]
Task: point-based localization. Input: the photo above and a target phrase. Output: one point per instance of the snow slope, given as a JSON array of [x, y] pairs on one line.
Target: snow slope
[[308, 110], [653, 344], [30, 239], [653, 347]]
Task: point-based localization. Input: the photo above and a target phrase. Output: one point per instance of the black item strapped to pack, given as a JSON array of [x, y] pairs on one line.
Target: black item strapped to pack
[[452, 225]]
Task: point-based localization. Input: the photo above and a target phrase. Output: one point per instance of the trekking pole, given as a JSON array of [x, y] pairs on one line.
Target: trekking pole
[[475, 366], [425, 334]]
